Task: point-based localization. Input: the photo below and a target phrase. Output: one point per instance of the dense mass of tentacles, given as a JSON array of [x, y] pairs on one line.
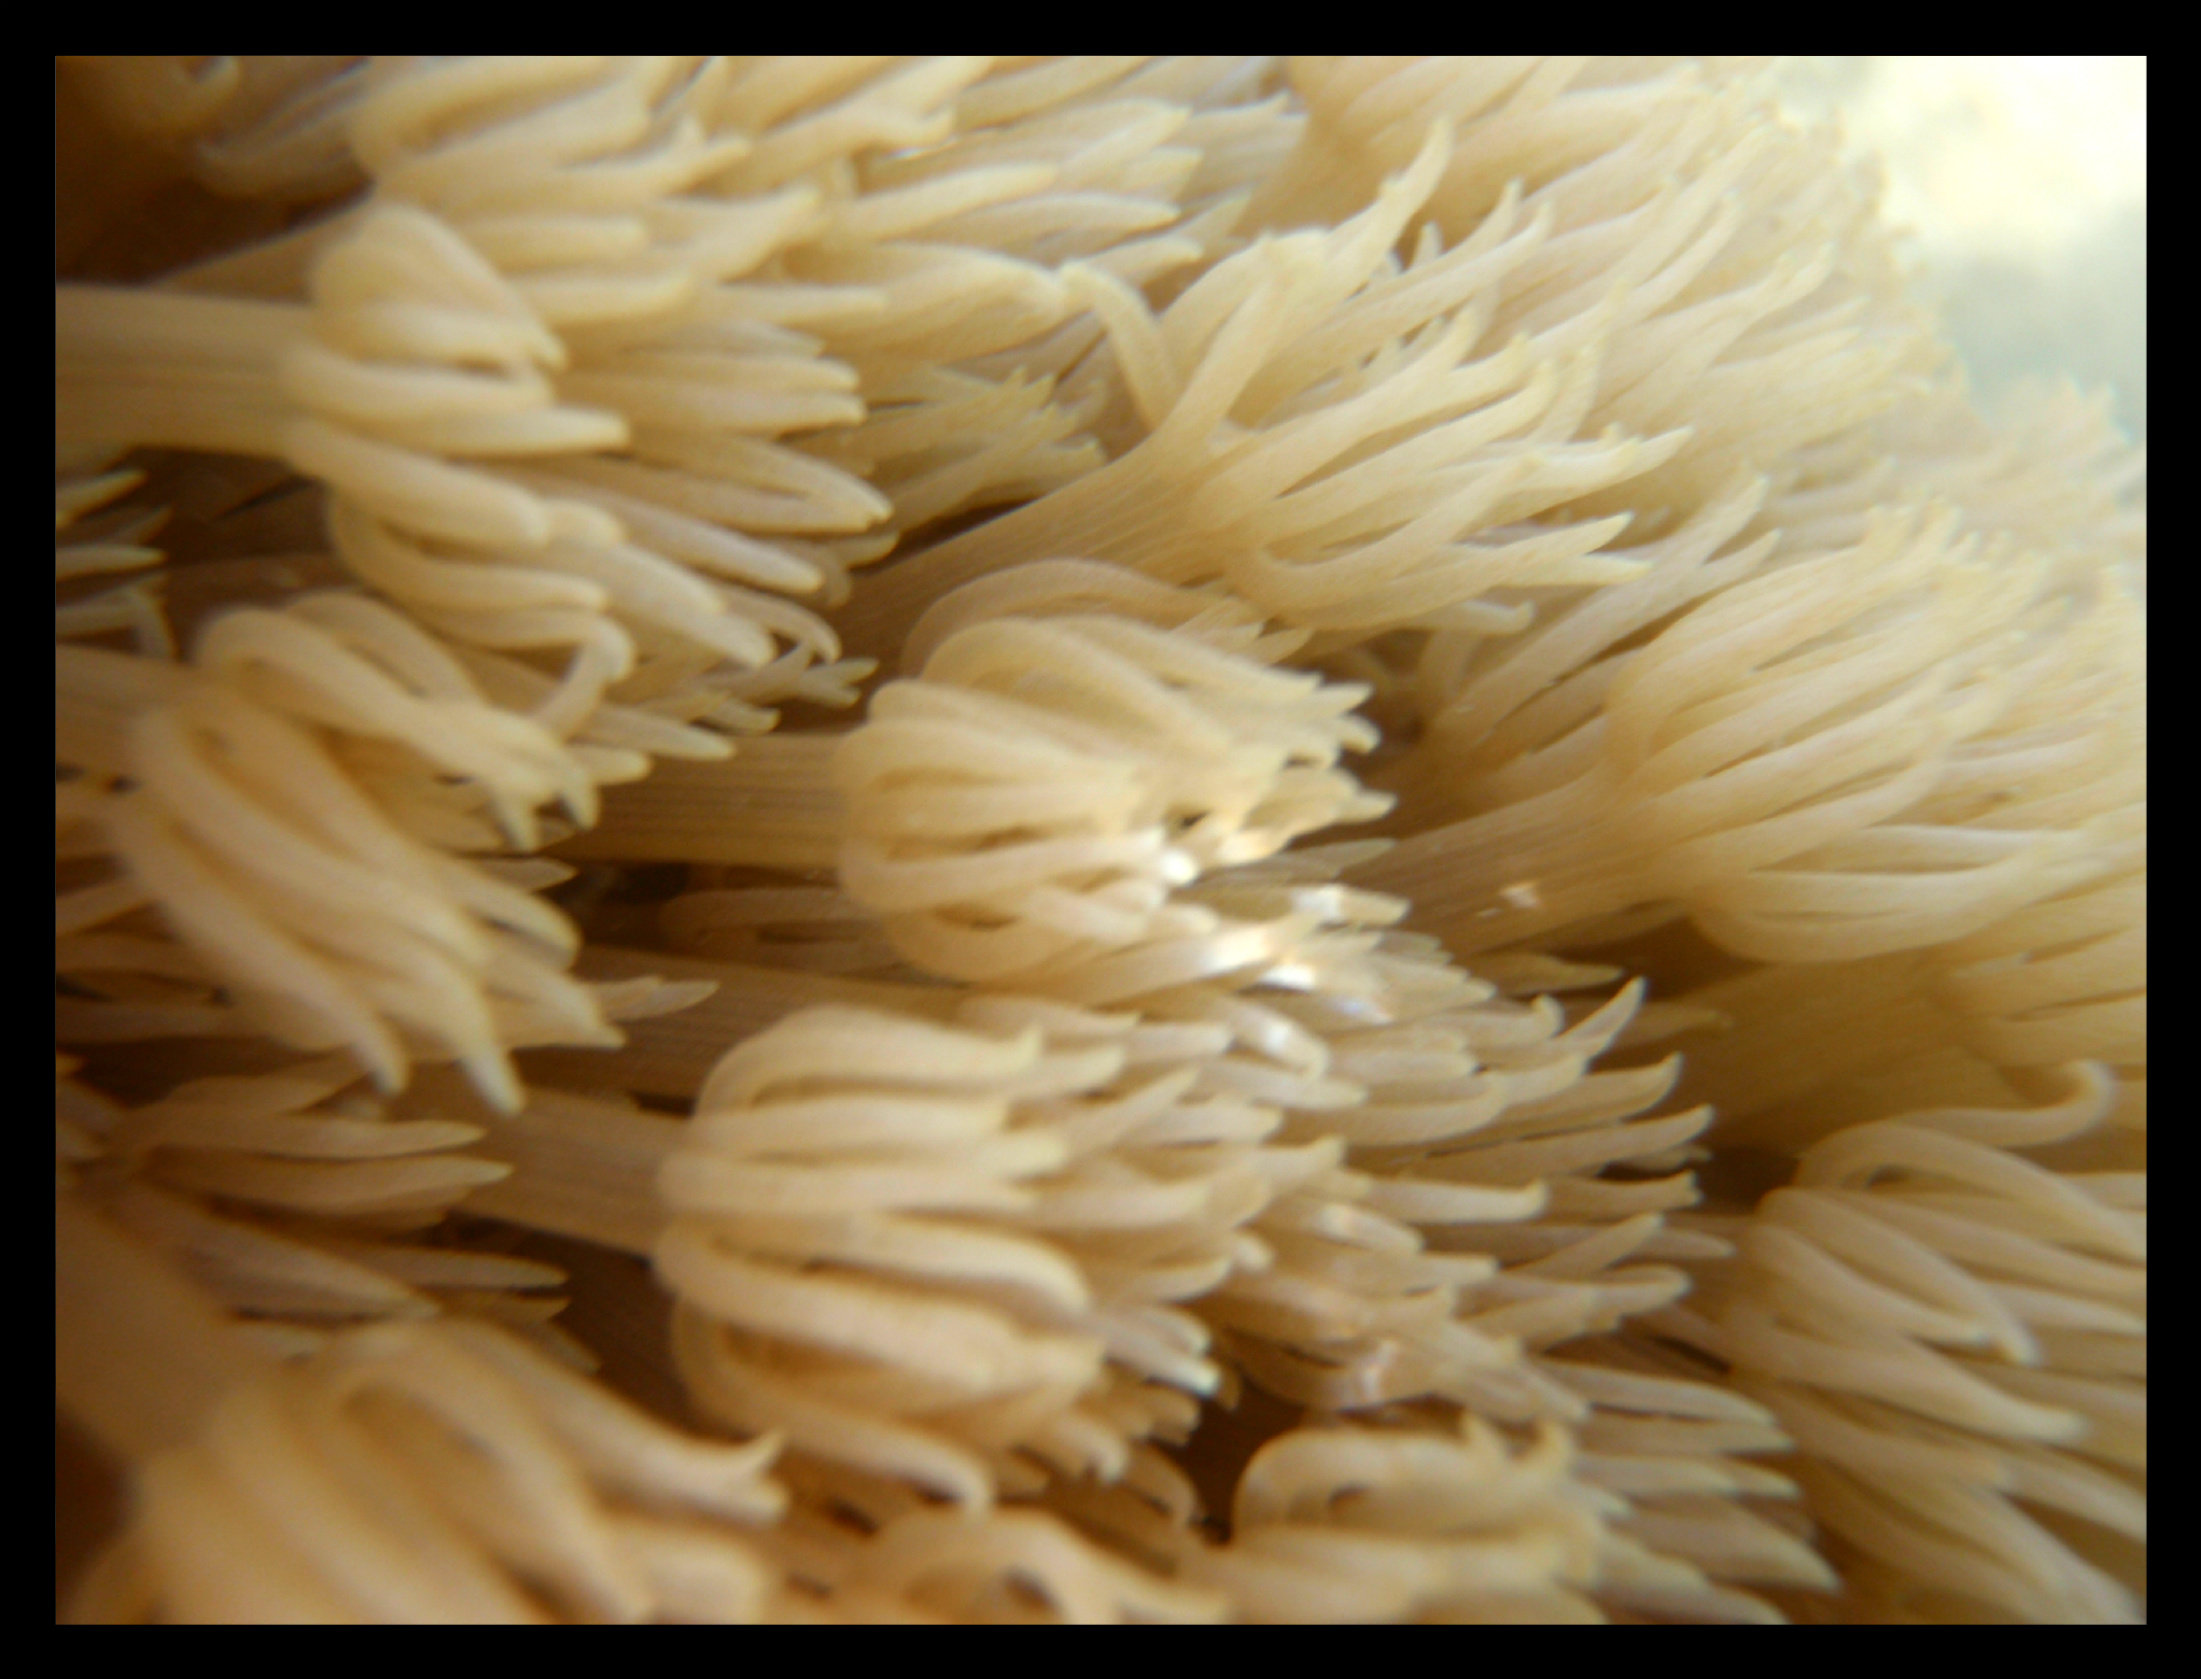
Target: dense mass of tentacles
[[1477, 952]]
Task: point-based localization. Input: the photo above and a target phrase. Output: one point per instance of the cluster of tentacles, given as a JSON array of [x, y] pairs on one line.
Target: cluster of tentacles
[[1073, 839]]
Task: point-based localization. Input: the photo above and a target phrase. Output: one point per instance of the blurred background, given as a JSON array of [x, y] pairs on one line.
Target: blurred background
[[2020, 185]]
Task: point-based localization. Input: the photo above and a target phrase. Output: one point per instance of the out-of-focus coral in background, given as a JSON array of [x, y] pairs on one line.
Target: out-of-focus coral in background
[[2021, 187]]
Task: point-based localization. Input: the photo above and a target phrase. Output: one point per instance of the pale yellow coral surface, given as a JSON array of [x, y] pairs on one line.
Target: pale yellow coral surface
[[870, 839]]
